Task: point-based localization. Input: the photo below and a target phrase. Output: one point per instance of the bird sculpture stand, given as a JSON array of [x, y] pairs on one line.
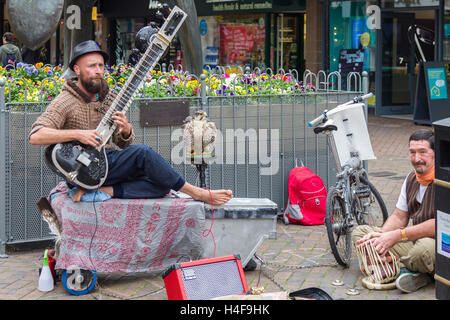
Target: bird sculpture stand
[[199, 134], [201, 166]]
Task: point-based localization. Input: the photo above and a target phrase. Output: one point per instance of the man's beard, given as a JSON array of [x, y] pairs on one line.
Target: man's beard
[[422, 168], [91, 85]]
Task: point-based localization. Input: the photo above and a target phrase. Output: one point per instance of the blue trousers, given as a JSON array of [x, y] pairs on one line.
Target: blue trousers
[[138, 172]]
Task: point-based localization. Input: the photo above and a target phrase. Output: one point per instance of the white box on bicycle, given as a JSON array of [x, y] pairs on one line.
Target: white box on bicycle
[[352, 133]]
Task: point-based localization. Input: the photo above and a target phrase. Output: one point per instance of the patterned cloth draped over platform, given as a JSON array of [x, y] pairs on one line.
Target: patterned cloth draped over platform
[[138, 235]]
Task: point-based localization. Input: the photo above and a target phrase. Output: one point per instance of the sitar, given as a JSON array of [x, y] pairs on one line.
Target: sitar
[[85, 165]]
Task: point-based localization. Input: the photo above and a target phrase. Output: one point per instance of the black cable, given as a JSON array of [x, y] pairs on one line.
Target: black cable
[[95, 230], [90, 257]]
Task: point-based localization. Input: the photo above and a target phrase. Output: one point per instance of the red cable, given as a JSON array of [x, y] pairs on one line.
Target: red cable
[[212, 222]]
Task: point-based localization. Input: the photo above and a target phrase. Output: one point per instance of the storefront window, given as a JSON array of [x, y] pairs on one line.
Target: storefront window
[[231, 40], [127, 32], [352, 44]]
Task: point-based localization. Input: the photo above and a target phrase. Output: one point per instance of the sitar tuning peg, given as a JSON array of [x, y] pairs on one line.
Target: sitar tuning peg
[[159, 16], [166, 9]]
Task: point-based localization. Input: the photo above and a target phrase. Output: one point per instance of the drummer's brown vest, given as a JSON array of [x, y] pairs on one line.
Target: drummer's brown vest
[[419, 212]]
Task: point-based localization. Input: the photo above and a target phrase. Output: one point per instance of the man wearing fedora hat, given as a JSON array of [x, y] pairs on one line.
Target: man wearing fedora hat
[[136, 171]]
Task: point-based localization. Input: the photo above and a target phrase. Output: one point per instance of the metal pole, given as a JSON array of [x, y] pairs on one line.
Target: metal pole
[[203, 90], [365, 89], [2, 170]]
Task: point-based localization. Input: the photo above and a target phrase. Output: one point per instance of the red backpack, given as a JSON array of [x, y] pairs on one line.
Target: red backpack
[[307, 198]]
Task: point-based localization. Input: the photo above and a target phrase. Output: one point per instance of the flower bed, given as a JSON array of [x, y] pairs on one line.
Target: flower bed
[[40, 83]]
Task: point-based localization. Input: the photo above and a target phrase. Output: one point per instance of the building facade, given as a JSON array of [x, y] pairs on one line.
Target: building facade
[[375, 36], [255, 33], [388, 50]]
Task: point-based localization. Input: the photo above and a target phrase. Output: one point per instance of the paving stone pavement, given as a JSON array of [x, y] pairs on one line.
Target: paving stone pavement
[[294, 247]]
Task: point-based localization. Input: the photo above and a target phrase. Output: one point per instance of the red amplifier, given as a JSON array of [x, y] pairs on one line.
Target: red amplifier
[[205, 279]]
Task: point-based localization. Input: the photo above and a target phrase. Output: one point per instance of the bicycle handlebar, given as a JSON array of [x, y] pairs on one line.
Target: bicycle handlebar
[[358, 99], [317, 120], [354, 100]]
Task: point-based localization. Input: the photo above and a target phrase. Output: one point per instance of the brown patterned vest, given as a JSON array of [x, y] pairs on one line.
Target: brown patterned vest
[[419, 212]]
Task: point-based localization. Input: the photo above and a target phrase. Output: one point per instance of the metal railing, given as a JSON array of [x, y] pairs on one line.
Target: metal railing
[[262, 171]]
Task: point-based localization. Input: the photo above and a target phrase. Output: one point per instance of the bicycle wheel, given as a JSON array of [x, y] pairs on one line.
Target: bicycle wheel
[[369, 207], [339, 233]]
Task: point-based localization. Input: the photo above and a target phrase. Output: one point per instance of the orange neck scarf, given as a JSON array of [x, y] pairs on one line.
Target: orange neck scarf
[[426, 178]]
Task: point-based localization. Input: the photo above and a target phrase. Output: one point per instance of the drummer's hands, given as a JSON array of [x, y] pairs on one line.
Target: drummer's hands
[[382, 241]]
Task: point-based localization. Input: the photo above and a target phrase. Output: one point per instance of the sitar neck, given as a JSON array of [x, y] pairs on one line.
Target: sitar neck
[[123, 99]]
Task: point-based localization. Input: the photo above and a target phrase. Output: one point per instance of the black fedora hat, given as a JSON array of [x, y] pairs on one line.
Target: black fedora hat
[[83, 48]]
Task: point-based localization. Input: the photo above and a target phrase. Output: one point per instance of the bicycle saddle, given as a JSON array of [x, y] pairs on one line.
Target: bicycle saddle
[[324, 127]]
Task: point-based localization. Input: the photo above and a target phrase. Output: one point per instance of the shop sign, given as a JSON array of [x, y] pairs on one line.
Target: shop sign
[[120, 8], [215, 7], [437, 83], [415, 3], [152, 4]]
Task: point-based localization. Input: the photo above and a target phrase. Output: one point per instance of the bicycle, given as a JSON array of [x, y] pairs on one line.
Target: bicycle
[[353, 197]]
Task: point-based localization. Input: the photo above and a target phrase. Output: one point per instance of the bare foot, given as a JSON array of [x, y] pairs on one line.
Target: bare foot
[[78, 194], [218, 196]]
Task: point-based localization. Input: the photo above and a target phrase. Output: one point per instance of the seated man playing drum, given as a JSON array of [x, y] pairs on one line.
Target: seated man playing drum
[[413, 243]]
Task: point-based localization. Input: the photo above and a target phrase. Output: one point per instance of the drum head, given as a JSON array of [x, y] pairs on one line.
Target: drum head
[[369, 284]]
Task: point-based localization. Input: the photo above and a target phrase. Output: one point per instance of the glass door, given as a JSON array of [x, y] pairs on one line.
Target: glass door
[[290, 42], [400, 52], [397, 58]]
